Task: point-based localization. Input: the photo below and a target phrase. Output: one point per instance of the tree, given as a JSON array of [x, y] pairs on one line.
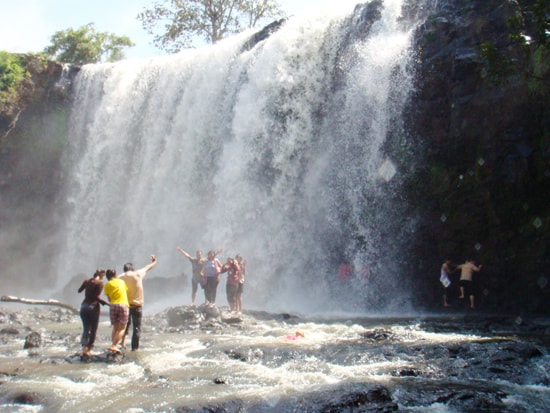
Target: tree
[[185, 20], [12, 72], [85, 45]]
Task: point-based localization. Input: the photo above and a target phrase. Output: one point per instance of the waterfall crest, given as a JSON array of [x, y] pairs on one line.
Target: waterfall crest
[[277, 153]]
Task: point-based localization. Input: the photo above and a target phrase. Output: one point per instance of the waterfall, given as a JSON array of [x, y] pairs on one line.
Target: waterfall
[[279, 152]]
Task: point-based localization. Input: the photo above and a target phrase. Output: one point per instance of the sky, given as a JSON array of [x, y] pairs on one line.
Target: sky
[[27, 25]]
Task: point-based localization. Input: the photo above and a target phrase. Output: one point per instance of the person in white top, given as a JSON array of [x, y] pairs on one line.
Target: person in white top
[[446, 280], [134, 281]]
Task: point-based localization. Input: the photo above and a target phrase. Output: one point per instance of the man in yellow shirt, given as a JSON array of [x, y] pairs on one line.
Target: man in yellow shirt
[[115, 289]]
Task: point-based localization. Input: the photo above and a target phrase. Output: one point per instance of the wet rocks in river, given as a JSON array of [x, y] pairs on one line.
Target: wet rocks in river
[[27, 398], [33, 340]]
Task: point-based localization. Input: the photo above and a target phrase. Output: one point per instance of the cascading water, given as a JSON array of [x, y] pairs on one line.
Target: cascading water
[[276, 151], [292, 152]]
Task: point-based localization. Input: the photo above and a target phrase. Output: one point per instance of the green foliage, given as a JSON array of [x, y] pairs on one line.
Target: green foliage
[[12, 74], [86, 45], [186, 20], [11, 71]]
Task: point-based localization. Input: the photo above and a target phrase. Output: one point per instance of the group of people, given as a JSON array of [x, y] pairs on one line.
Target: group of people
[[206, 273], [466, 282], [126, 299]]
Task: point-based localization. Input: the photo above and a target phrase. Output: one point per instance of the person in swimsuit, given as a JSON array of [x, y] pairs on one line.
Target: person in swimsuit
[[466, 280]]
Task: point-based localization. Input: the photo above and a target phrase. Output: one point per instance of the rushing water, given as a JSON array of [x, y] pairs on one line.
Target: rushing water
[[257, 364], [277, 151]]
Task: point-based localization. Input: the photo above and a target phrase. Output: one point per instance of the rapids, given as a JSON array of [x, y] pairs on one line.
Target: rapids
[[255, 363]]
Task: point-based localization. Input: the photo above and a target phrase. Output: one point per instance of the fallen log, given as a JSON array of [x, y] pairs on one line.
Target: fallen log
[[10, 298]]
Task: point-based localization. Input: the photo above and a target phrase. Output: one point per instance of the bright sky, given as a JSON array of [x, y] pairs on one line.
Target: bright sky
[[27, 25]]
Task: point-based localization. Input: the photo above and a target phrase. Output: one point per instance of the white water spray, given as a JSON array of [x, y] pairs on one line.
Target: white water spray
[[276, 153]]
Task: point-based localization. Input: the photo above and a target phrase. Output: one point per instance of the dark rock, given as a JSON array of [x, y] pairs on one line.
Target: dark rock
[[407, 373], [236, 355], [378, 334], [262, 35], [33, 340], [9, 330], [27, 398], [376, 399], [480, 173]]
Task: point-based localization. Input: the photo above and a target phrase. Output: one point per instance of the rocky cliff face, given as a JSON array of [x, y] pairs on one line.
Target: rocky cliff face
[[480, 166], [481, 185], [33, 133]]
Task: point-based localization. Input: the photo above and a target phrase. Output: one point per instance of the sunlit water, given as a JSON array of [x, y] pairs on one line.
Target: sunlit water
[[260, 365]]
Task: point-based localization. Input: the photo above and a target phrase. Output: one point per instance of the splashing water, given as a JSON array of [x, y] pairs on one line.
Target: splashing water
[[276, 152]]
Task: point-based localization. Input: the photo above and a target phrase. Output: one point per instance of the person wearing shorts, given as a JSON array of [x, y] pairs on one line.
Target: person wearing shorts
[[466, 280], [197, 266], [116, 290]]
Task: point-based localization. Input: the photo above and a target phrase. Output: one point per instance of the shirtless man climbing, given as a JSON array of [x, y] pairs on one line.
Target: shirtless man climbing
[[466, 280]]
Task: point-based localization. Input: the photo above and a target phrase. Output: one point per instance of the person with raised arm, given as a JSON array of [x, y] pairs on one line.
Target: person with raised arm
[[197, 267], [134, 281]]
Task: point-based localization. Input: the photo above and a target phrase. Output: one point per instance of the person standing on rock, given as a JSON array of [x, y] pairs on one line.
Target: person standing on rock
[[212, 269], [466, 280], [445, 280], [90, 310], [134, 281], [197, 267], [231, 267], [242, 273], [115, 290]]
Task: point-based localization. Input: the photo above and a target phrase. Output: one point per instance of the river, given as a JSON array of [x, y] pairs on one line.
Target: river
[[207, 360]]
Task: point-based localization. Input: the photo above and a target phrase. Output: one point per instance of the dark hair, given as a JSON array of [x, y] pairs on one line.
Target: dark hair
[[128, 267], [98, 272], [111, 273]]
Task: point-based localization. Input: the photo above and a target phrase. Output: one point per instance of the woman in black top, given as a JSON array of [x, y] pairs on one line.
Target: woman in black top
[[89, 309]]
